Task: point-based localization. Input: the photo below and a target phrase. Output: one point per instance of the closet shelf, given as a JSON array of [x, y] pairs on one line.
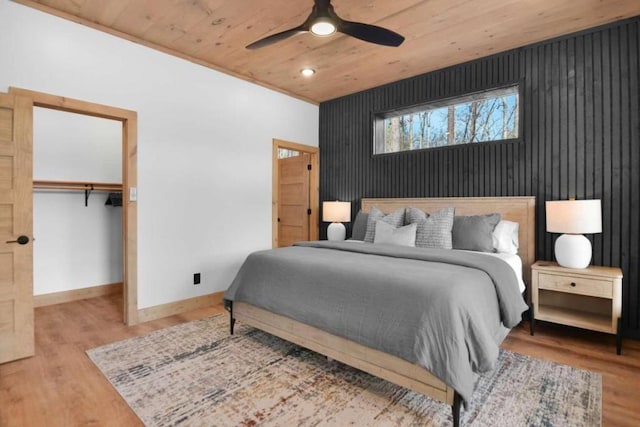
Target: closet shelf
[[86, 186], [76, 185]]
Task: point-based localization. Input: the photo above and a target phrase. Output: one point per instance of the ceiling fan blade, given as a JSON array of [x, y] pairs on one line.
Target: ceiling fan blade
[[274, 38], [370, 33]]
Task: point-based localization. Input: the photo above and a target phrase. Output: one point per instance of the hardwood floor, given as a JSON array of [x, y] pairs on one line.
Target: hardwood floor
[[592, 351], [60, 386]]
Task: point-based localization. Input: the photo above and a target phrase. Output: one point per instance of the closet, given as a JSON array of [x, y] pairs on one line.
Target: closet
[[77, 226]]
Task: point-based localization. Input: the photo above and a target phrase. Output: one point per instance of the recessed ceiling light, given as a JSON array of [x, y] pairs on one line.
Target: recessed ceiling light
[[307, 72]]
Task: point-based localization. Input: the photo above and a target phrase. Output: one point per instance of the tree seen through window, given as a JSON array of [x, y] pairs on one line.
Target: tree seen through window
[[490, 116]]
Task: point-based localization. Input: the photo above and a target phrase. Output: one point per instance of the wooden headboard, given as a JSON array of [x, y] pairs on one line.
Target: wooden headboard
[[520, 209]]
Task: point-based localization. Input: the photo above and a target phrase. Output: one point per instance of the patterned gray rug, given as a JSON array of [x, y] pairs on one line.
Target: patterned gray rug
[[197, 374]]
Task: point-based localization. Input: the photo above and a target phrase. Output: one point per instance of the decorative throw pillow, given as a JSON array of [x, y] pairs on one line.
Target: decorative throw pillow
[[359, 229], [387, 233], [475, 232], [396, 219], [505, 237], [433, 230]]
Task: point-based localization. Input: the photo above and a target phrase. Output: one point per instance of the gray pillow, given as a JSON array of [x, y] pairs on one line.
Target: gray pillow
[[396, 219], [359, 229], [475, 233], [434, 230], [387, 233]]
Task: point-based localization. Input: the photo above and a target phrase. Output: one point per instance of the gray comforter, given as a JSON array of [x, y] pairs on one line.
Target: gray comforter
[[444, 310]]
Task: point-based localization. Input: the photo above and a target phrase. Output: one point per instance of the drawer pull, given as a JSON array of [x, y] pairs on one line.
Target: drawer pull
[[573, 284]]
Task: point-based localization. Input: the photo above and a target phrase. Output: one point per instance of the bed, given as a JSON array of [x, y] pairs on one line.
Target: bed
[[386, 358]]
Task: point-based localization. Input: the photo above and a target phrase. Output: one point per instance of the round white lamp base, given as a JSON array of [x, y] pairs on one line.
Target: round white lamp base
[[336, 231], [573, 251]]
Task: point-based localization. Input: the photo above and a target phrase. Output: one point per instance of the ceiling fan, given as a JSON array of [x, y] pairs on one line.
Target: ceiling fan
[[323, 22]]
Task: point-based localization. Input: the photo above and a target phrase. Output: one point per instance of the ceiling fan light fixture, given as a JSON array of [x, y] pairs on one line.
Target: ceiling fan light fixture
[[323, 27], [307, 72], [323, 22]]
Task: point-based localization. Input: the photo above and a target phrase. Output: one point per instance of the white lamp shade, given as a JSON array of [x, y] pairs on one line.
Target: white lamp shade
[[336, 211], [574, 216]]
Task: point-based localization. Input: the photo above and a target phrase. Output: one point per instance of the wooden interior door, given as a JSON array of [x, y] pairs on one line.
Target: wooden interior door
[[16, 228], [293, 199]]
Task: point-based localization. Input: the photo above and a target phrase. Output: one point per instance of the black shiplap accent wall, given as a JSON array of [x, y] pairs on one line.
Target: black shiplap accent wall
[[580, 128]]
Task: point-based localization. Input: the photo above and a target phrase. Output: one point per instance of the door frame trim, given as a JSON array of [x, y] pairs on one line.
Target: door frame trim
[[314, 187], [129, 121]]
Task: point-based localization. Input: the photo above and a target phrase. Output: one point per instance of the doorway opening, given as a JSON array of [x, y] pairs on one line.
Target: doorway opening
[[127, 187], [77, 213], [295, 193]]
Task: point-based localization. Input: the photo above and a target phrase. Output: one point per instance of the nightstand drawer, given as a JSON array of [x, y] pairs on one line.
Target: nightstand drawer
[[576, 285]]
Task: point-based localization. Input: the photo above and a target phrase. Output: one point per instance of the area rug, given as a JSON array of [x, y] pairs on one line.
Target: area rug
[[196, 374]]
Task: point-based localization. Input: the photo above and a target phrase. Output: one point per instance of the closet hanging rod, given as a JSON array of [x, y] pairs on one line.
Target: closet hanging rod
[[76, 185]]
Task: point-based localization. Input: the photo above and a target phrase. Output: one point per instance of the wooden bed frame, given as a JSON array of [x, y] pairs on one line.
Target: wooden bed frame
[[380, 364]]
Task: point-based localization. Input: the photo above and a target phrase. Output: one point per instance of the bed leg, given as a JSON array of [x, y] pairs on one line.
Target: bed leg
[[228, 305], [532, 320], [455, 408]]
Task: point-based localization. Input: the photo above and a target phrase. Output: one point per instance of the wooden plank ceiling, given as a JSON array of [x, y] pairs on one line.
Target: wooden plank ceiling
[[438, 33]]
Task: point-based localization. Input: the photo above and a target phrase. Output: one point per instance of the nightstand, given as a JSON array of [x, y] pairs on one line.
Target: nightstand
[[589, 298]]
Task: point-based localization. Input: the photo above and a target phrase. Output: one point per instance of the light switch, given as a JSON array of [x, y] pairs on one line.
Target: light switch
[[133, 194]]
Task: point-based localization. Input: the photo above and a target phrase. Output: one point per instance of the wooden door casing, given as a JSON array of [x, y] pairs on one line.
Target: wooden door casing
[[314, 191], [129, 121], [16, 219]]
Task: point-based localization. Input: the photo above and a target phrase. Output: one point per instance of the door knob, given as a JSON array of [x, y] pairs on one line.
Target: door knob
[[21, 240]]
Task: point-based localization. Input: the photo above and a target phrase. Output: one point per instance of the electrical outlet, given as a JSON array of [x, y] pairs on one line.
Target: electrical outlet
[[196, 278]]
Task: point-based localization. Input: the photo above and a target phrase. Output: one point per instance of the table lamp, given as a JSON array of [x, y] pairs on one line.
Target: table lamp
[[573, 218], [336, 213]]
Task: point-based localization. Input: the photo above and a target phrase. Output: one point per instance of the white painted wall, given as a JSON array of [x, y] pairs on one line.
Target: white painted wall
[[76, 246], [74, 147], [204, 144]]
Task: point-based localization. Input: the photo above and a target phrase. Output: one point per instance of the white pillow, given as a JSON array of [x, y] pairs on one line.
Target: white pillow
[[505, 237], [387, 233]]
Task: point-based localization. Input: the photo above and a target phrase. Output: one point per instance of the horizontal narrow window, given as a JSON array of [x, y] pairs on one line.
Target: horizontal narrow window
[[481, 117]]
